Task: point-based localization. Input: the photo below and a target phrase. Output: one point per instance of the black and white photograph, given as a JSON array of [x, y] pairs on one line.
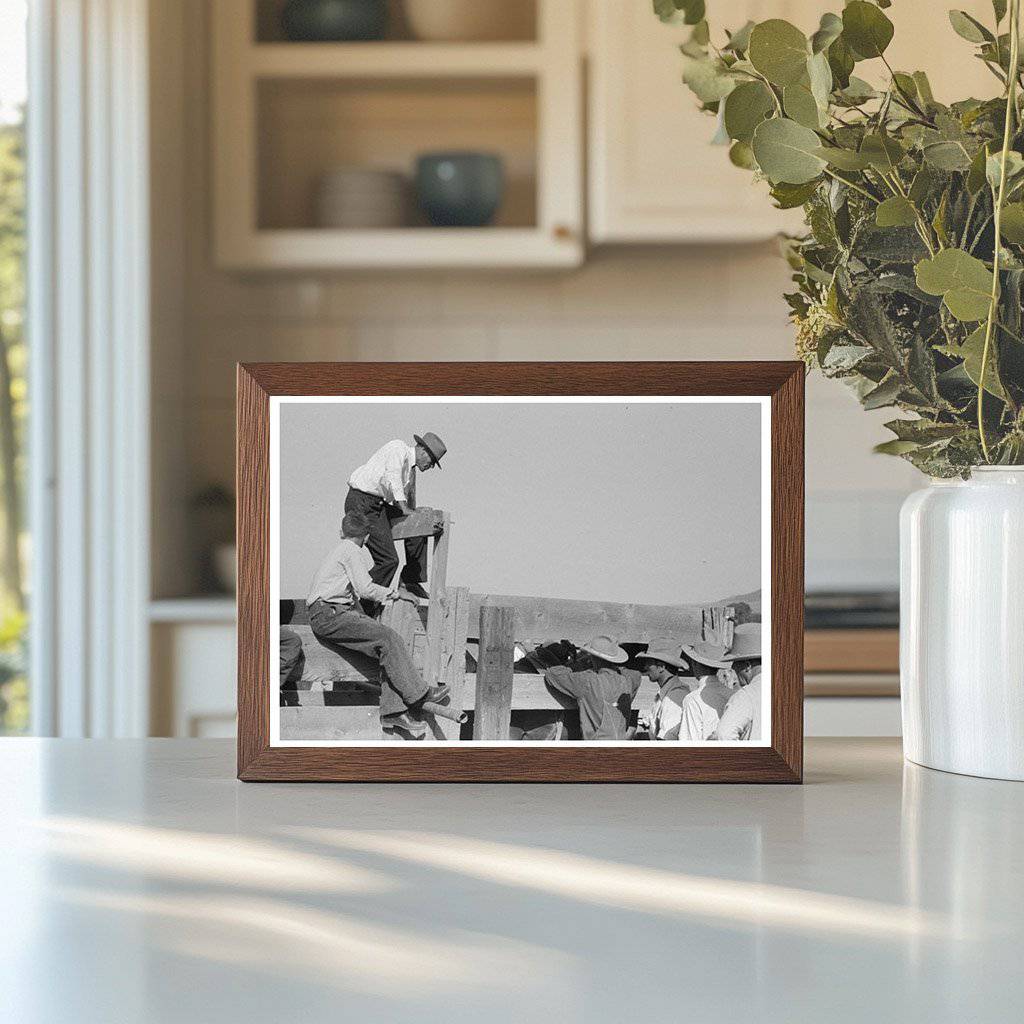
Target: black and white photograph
[[461, 570]]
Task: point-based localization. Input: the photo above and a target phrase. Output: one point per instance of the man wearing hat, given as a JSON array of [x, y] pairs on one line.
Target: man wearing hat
[[703, 706], [383, 489], [741, 719], [662, 656], [602, 687]]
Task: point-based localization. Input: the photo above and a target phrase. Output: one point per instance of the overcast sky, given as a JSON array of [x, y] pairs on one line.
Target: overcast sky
[[647, 503]]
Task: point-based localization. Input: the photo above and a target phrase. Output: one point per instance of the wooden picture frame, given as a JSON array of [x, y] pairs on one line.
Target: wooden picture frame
[[779, 760]]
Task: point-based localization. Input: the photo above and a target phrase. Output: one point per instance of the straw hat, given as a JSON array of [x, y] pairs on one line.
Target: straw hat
[[664, 649], [605, 648], [746, 642], [432, 444], [712, 655]]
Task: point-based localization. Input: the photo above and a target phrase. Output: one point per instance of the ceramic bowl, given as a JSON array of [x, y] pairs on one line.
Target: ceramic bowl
[[460, 189], [332, 21], [470, 20]]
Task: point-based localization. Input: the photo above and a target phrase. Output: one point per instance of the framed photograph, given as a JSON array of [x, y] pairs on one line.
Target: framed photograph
[[564, 572]]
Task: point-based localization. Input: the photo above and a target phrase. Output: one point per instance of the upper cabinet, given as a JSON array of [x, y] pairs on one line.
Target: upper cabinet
[[317, 145], [654, 177]]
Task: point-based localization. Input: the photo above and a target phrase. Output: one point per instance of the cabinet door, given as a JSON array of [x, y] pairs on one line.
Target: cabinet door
[[653, 175]]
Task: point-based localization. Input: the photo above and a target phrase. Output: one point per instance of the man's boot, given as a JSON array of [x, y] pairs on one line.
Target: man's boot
[[404, 722]]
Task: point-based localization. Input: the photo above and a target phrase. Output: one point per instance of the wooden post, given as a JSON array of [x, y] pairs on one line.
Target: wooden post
[[494, 674], [437, 608]]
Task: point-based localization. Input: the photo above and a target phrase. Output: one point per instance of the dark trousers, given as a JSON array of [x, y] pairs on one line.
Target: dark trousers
[[400, 684], [292, 663], [382, 544]]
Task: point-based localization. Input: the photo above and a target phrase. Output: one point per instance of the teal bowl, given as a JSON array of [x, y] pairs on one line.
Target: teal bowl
[[460, 189], [334, 21]]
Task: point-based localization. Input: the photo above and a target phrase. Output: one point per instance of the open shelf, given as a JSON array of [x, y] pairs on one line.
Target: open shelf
[[387, 60], [308, 127], [286, 114], [519, 24]]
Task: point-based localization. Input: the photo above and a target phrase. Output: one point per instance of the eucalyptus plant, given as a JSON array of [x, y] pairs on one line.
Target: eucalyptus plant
[[910, 277]]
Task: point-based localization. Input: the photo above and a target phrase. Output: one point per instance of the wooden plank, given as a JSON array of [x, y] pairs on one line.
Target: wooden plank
[[453, 658], [422, 522], [529, 693], [437, 607], [494, 679], [545, 618], [852, 650]]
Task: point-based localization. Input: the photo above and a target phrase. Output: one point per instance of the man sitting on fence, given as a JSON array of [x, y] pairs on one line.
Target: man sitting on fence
[[661, 662], [602, 688], [337, 619], [383, 489]]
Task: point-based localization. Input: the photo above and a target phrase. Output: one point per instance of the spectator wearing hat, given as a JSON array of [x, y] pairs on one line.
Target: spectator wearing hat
[[661, 663], [383, 489], [602, 688], [703, 706], [741, 719]]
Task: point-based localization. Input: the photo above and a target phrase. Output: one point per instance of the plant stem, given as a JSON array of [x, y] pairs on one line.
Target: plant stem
[[853, 185], [1011, 108]]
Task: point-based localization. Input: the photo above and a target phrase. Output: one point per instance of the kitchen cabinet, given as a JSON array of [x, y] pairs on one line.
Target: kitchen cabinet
[[288, 114], [653, 177]]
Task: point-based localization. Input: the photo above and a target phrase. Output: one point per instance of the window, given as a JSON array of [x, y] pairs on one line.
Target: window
[[14, 691]]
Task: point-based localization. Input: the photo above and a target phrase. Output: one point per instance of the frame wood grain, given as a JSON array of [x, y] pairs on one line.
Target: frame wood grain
[[782, 761]]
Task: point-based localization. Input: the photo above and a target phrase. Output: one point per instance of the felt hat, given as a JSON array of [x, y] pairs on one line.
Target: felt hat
[[746, 642], [605, 648], [664, 649], [712, 655], [433, 445]]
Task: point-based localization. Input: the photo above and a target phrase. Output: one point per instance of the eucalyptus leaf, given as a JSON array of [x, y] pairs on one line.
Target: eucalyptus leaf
[[841, 62], [969, 28], [1012, 223], [947, 156], [788, 196], [787, 152], [741, 155], [993, 167], [779, 51], [745, 108], [844, 159], [866, 29], [895, 447], [894, 212], [963, 281], [829, 30], [707, 78], [819, 75], [801, 106], [972, 351], [857, 91], [883, 152], [739, 41]]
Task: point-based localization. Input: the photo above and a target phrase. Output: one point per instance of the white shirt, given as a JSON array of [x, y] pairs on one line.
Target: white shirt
[[699, 721], [389, 473], [741, 719], [344, 577]]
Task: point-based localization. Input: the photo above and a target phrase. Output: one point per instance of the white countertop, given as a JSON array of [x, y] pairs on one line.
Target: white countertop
[[140, 882]]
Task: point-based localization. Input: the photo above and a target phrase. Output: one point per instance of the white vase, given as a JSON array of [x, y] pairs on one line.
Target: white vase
[[962, 624]]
